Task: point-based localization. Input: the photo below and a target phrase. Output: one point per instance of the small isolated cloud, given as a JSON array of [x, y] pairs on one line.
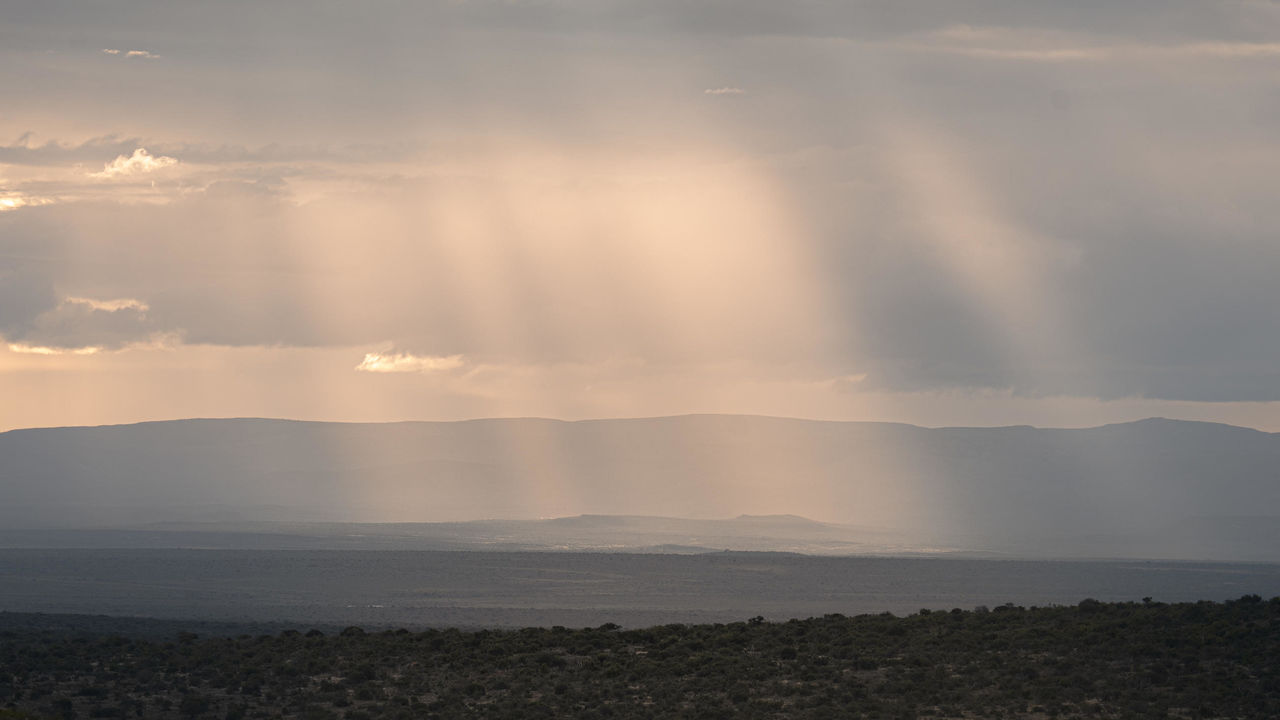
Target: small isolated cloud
[[109, 305], [725, 91], [13, 201], [45, 350], [139, 162], [395, 362], [849, 383], [143, 54]]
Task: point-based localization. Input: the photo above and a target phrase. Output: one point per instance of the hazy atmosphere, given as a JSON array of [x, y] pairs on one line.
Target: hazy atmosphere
[[645, 359], [961, 213]]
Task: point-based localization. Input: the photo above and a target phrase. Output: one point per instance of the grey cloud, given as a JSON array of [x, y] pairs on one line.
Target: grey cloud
[[1162, 306], [1186, 323], [259, 187], [35, 259], [343, 24], [26, 274], [210, 279], [24, 295], [1147, 181], [72, 325], [442, 67], [52, 153]]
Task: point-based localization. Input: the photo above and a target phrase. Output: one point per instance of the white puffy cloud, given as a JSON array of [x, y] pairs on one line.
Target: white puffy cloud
[[14, 200], [401, 362], [725, 91], [138, 163]]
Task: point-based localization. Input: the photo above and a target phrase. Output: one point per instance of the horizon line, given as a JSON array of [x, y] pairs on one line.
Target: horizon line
[[629, 419]]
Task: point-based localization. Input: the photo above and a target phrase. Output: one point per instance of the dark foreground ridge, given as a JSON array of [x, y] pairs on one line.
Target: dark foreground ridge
[[1096, 660]]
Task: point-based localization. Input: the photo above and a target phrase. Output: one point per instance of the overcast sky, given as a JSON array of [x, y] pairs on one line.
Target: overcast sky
[[943, 213]]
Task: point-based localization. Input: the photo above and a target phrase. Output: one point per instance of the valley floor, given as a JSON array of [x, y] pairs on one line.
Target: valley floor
[[420, 589]]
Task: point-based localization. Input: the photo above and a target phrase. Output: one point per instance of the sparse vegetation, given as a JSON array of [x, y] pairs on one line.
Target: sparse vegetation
[[1091, 660]]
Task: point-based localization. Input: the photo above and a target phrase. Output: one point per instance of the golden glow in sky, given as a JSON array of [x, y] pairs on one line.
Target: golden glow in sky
[[934, 214]]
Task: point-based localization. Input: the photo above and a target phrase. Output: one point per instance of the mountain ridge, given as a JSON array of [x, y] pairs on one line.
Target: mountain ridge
[[1158, 487], [1152, 420]]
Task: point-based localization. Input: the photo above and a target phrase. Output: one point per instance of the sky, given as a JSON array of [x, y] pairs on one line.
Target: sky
[[944, 213]]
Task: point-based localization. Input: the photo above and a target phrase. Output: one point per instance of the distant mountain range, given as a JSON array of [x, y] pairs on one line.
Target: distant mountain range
[[1155, 488]]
